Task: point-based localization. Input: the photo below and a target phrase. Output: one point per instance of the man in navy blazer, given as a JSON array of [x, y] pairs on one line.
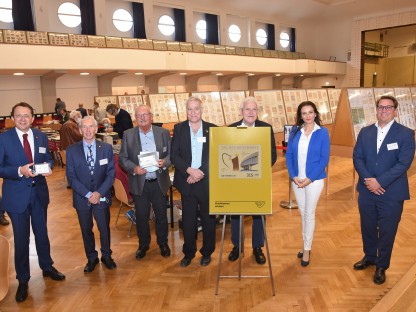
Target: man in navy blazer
[[90, 172], [26, 194], [123, 120], [249, 111], [190, 152], [382, 155]]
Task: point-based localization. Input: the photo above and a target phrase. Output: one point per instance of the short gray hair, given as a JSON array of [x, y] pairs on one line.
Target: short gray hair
[[247, 100], [143, 105], [88, 117], [193, 99], [74, 113]]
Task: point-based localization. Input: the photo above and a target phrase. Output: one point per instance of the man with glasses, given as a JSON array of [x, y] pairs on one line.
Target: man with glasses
[[145, 156], [90, 172], [26, 195], [122, 118], [382, 155]]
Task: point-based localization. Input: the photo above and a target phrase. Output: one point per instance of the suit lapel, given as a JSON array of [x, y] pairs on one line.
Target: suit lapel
[[389, 138]]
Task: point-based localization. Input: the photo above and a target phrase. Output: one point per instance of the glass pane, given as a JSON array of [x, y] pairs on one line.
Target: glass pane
[[261, 36], [234, 33], [70, 21], [69, 14], [122, 15], [166, 25], [6, 4], [6, 15], [201, 29], [123, 25]]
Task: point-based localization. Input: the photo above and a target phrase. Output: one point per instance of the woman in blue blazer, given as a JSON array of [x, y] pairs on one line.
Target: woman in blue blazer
[[307, 156]]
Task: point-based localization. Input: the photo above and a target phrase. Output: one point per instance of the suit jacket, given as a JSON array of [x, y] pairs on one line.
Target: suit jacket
[[389, 166], [259, 123], [69, 134], [123, 122], [17, 190], [80, 179], [317, 155], [131, 147], [182, 154]]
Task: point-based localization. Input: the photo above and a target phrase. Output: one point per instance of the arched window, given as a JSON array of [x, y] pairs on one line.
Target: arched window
[[6, 11], [234, 33], [284, 39], [261, 36]]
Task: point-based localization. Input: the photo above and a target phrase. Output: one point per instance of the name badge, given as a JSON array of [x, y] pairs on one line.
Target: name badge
[[164, 149], [392, 146], [42, 150], [103, 161], [201, 139]]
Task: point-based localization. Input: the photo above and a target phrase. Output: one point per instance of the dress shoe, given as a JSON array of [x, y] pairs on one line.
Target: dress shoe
[[205, 260], [259, 255], [90, 266], [4, 221], [379, 276], [109, 262], [363, 264], [303, 262], [164, 250], [300, 254], [141, 252], [185, 261], [234, 254], [53, 274], [21, 293]]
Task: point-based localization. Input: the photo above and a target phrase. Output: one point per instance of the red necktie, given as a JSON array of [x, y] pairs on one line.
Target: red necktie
[[26, 146]]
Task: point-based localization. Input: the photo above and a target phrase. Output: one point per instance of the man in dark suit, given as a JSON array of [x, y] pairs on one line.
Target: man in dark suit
[[90, 172], [123, 120], [249, 111], [148, 178], [82, 110], [382, 155], [190, 152], [25, 194]]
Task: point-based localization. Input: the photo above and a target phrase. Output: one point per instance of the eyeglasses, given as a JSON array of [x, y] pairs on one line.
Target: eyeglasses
[[19, 116], [386, 108], [143, 116]]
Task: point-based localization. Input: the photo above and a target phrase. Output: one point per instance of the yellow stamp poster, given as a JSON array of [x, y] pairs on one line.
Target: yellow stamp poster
[[240, 171]]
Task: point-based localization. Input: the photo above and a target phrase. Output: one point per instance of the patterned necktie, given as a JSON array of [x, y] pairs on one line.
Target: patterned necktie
[[27, 149], [90, 159]]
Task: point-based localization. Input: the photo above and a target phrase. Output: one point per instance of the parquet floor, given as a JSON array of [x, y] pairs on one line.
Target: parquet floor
[[157, 284]]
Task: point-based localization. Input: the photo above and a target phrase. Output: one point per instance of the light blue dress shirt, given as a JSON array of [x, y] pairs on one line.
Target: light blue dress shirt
[[196, 147]]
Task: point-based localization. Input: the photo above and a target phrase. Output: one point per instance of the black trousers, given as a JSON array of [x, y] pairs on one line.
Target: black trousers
[[198, 199], [153, 197]]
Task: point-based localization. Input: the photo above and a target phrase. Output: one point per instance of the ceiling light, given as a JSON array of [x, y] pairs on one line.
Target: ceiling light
[[84, 74], [18, 74], [277, 75], [301, 75], [219, 74], [138, 74], [249, 74], [182, 74]]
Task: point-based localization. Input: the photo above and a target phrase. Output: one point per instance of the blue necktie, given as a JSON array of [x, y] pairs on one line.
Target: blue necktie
[[90, 160]]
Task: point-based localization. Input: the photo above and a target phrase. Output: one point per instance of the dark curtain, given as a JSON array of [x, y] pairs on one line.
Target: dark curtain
[[138, 20], [212, 29], [271, 45], [179, 18], [87, 17], [22, 15], [292, 40]]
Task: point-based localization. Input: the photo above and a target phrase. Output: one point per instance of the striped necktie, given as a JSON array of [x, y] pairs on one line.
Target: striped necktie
[[90, 159]]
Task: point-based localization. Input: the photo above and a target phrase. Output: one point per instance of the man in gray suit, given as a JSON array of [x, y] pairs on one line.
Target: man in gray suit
[[148, 177]]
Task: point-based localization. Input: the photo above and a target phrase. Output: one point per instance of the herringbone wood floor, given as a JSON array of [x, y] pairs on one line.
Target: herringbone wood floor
[[157, 284]]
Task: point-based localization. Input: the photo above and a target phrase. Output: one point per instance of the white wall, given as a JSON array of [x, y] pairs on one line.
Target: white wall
[[15, 89], [77, 89]]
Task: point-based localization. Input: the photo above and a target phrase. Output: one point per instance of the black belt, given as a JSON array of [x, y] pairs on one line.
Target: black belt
[[150, 180]]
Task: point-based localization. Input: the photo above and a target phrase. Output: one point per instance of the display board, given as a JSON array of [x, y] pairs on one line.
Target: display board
[[292, 99], [405, 110], [320, 98], [271, 108], [181, 99], [363, 108], [105, 100], [378, 92], [413, 92], [240, 180], [231, 102], [163, 107], [212, 109], [130, 102], [333, 97]]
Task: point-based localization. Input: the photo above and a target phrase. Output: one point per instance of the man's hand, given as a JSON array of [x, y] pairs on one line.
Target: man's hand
[[26, 171], [195, 174], [373, 186], [140, 171], [94, 198]]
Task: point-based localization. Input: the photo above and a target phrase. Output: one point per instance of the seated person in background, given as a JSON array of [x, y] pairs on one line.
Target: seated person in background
[[63, 116], [69, 132], [82, 110], [123, 120], [105, 124]]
